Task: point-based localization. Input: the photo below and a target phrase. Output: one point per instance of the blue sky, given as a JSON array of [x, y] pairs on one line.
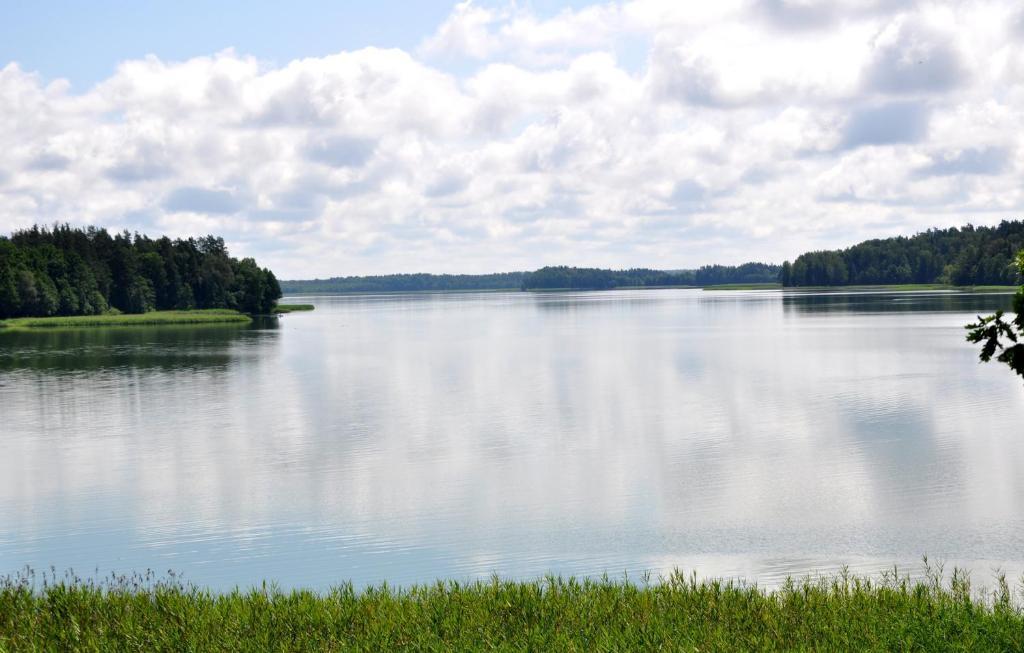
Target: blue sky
[[84, 41], [353, 138]]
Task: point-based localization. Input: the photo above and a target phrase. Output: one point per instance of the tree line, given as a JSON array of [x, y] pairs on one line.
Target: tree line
[[549, 278], [72, 271], [544, 278], [967, 256], [407, 283]]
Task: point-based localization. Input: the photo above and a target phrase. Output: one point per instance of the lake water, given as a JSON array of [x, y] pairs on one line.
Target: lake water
[[414, 437]]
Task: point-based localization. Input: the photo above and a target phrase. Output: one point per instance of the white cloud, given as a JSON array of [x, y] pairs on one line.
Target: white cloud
[[512, 140]]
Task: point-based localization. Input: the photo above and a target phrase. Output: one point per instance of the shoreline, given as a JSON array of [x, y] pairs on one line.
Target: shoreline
[[153, 318], [284, 309], [725, 287]]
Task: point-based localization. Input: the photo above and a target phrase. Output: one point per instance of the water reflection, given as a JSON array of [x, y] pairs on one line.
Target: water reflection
[[415, 436], [897, 301], [87, 350]]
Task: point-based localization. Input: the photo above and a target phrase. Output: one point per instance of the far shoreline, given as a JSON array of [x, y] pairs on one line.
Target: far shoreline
[[724, 287]]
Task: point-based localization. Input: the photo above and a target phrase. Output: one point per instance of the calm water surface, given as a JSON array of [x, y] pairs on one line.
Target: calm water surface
[[411, 437]]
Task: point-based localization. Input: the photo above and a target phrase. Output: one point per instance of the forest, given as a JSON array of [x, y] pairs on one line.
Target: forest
[[68, 271], [407, 283], [64, 271], [544, 278], [966, 256], [549, 278]]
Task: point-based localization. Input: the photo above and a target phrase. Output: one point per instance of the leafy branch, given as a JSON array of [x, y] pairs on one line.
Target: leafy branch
[[1002, 336]]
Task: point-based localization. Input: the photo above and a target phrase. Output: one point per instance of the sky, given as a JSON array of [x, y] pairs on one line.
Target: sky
[[333, 138]]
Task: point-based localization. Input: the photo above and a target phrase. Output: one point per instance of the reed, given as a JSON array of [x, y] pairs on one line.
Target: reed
[[291, 308], [679, 612], [153, 318]]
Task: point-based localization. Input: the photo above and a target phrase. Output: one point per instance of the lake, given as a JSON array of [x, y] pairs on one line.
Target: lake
[[413, 437]]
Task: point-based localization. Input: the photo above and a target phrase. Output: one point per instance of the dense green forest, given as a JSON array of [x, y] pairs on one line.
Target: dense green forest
[[594, 278], [544, 278], [967, 256], [71, 271], [713, 275]]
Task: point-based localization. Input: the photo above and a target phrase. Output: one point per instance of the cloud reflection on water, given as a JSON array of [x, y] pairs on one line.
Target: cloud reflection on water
[[412, 437]]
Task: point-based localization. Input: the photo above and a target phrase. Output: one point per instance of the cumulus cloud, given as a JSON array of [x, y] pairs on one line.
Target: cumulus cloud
[[202, 200], [889, 124], [447, 183], [49, 161], [687, 196], [482, 32], [341, 151], [799, 15], [631, 133], [970, 161], [910, 59]]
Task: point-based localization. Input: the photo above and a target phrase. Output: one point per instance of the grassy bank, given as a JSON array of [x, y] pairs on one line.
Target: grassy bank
[[680, 613], [912, 286], [154, 318], [745, 286], [899, 287], [291, 308]]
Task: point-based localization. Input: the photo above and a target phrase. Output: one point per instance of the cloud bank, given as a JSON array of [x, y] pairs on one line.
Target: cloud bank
[[661, 134]]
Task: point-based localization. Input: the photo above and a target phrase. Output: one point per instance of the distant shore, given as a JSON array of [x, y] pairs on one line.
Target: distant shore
[[727, 286]]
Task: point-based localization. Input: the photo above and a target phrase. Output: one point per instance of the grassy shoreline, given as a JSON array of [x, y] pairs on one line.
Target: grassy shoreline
[[878, 288], [911, 286], [744, 286], [153, 318], [676, 613], [282, 309]]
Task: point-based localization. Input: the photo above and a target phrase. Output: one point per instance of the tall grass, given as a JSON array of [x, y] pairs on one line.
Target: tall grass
[[207, 316], [677, 613], [745, 286], [291, 308], [908, 286]]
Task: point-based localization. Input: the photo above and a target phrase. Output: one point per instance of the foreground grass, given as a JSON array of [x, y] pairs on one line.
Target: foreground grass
[[291, 308], [209, 316], [679, 613]]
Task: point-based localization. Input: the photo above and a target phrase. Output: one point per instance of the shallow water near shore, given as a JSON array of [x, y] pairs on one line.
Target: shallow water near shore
[[413, 437]]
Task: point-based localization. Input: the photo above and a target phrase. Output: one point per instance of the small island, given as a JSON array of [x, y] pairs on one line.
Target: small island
[[70, 277]]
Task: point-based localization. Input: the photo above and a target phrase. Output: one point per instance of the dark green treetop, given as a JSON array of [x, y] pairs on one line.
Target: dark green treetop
[[959, 256], [66, 270]]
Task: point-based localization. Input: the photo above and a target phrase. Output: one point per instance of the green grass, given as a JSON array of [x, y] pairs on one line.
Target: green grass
[[665, 287], [554, 290], [154, 318], [680, 613], [994, 288], [291, 308], [745, 286], [912, 286], [898, 286]]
